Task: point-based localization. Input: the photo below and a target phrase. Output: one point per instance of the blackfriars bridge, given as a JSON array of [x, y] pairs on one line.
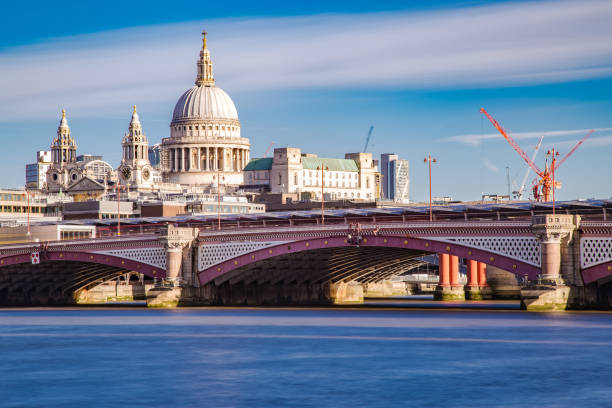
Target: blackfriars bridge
[[566, 261]]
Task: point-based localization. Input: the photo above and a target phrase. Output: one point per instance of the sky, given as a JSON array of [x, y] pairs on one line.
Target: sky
[[316, 75]]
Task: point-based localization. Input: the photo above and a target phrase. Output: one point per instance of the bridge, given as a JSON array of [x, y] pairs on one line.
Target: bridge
[[564, 261]]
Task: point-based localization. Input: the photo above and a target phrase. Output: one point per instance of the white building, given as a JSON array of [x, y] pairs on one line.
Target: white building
[[205, 141], [395, 178], [290, 171], [36, 173]]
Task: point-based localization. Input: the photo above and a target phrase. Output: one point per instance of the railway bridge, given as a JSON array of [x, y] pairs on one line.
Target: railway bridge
[[564, 262]]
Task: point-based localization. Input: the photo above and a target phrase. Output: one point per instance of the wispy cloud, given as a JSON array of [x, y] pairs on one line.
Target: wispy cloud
[[524, 43], [592, 141], [476, 139], [489, 165]]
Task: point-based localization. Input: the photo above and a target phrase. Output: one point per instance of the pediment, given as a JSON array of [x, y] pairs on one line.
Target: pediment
[[85, 184]]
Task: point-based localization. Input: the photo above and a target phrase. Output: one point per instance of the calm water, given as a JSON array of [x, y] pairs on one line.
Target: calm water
[[304, 357]]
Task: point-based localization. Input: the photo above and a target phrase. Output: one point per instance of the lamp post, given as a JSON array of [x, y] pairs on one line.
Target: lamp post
[[429, 160], [28, 194], [554, 154], [322, 193], [219, 198], [118, 207]]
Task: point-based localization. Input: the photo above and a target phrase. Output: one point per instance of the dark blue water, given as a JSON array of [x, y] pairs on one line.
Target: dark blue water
[[303, 357]]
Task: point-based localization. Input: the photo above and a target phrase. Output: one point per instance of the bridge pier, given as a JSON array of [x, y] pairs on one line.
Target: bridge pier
[[177, 288], [449, 287], [552, 291]]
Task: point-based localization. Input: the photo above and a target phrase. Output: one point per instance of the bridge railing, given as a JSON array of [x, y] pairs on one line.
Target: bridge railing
[[76, 244], [395, 228]]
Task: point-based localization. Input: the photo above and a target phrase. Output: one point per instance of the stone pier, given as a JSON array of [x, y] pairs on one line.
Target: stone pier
[[177, 288], [554, 290]]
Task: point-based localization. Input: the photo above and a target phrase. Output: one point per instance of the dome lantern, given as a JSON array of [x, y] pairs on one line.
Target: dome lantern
[[205, 69]]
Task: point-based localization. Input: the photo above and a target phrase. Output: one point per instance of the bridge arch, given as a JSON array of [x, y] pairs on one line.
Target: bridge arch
[[62, 276], [87, 257], [597, 272], [425, 246]]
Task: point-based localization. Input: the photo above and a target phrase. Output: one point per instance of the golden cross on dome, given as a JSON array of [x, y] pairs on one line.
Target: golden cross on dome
[[204, 39]]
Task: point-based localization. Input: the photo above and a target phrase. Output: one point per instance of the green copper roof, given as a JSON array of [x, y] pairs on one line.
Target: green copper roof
[[259, 164], [311, 163]]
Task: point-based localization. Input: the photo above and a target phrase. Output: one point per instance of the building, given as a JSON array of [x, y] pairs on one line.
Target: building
[[85, 178], [88, 157], [308, 176], [36, 173], [63, 169], [395, 178], [100, 210], [18, 205], [42, 233], [135, 169], [205, 141], [155, 156]]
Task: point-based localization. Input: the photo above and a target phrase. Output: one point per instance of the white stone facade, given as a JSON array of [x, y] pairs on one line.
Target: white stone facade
[[135, 170], [290, 171], [205, 142]]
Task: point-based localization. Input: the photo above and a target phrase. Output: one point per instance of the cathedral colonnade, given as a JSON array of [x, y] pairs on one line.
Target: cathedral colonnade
[[207, 158]]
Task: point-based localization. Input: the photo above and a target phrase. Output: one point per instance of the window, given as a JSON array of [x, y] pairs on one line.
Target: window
[[295, 178], [280, 179]]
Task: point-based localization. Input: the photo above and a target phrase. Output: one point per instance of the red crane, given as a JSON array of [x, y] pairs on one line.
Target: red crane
[[543, 188], [268, 149]]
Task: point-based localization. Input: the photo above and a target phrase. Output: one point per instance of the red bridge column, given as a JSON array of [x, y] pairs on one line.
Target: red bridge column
[[473, 290], [472, 273], [454, 271], [482, 274], [448, 287], [444, 269]]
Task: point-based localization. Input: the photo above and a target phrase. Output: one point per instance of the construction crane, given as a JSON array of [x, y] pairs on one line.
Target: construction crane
[[518, 194], [543, 188], [365, 149], [268, 149]]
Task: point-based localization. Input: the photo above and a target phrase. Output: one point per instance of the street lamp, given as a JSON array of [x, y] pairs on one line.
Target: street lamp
[[429, 160], [218, 177], [322, 193], [118, 207], [554, 154], [29, 232]]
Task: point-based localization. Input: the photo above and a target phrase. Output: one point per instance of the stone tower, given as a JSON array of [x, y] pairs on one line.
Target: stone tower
[[135, 169], [63, 170]]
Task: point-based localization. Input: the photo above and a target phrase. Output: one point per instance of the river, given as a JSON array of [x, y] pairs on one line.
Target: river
[[336, 357]]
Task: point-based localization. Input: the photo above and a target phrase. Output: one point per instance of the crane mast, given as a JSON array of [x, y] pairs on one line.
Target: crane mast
[[519, 193], [365, 149], [543, 188]]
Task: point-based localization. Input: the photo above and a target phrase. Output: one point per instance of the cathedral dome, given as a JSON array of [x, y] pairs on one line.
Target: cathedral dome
[[206, 103]]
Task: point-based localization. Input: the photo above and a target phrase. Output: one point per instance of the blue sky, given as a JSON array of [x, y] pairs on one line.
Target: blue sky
[[316, 75]]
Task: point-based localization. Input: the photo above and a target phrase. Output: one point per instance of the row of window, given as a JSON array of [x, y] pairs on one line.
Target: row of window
[[13, 197], [24, 209], [330, 183], [338, 196], [327, 173], [227, 209], [106, 216], [203, 127], [70, 235]]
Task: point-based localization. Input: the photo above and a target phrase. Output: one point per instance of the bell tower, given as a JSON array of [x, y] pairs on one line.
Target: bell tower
[[135, 168], [63, 148], [64, 169]]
